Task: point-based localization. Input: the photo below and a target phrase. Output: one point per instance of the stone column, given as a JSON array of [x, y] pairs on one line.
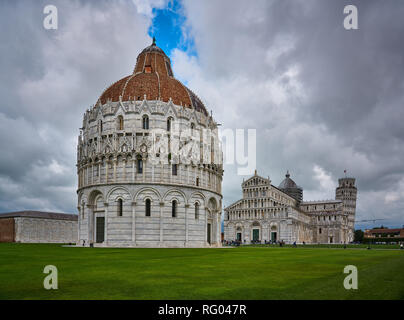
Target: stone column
[[219, 229], [162, 173], [206, 226], [106, 170], [114, 177], [79, 209], [144, 169], [161, 222], [124, 170], [134, 223], [133, 170], [89, 224], [106, 223], [186, 224]]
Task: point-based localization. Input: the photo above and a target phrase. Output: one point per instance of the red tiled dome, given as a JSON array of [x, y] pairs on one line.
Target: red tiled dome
[[154, 78]]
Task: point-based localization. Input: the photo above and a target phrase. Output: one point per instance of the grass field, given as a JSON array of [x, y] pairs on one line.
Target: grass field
[[228, 273]]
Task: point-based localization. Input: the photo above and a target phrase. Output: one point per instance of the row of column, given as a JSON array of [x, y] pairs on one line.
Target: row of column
[[91, 224], [87, 177]]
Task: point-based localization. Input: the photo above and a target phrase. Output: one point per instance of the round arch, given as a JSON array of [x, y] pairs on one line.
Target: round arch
[[93, 195], [212, 204], [176, 191], [197, 193], [118, 188], [135, 198]]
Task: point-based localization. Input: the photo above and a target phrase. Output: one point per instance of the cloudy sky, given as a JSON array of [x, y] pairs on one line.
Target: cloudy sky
[[322, 99]]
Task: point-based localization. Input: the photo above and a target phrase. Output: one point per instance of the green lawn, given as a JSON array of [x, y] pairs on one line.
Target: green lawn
[[228, 273]]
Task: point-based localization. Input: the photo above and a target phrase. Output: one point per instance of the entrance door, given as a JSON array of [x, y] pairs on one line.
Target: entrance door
[[239, 236], [209, 233], [256, 234], [273, 236], [331, 239], [100, 229]]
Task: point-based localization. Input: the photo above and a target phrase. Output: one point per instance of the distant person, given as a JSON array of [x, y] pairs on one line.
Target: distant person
[[401, 246]]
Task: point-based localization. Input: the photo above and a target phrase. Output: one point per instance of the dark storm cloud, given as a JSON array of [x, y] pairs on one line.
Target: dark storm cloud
[[323, 99], [48, 79]]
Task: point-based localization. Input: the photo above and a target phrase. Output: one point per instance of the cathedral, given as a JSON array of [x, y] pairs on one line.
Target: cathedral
[[134, 188], [269, 214]]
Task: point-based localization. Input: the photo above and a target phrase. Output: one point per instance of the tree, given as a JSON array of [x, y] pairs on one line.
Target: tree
[[358, 236]]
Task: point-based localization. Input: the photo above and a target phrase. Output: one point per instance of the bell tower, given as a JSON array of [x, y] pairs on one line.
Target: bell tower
[[347, 193]]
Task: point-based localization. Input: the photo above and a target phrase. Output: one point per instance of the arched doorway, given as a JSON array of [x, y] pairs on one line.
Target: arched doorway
[[239, 234], [211, 222], [256, 232], [273, 234], [99, 213], [96, 218]]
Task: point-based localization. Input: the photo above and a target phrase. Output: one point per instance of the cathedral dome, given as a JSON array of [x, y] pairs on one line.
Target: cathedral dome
[[287, 182], [291, 188], [152, 79]]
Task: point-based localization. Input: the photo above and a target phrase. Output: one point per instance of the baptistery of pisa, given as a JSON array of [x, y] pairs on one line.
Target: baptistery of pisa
[[149, 163]]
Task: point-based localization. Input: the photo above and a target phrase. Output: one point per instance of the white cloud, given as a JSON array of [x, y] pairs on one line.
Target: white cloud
[[269, 66], [145, 7], [49, 89]]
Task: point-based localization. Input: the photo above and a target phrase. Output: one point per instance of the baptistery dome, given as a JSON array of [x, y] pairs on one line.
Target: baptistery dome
[[149, 163], [152, 79]]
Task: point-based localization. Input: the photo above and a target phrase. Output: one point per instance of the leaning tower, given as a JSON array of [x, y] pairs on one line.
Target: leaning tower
[[346, 191]]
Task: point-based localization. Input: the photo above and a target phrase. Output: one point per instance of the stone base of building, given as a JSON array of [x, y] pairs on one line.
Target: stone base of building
[[149, 244]]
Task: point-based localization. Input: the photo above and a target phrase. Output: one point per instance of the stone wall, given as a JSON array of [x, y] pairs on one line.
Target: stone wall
[[38, 230], [107, 154], [134, 228]]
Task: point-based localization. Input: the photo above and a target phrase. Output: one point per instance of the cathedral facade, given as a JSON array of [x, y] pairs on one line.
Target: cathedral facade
[[148, 164], [269, 214]]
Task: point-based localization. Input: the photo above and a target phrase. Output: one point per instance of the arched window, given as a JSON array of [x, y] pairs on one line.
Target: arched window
[[196, 210], [197, 182], [174, 209], [148, 207], [100, 126], [319, 231], [145, 122], [175, 169], [120, 207], [169, 121], [120, 123], [139, 165]]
